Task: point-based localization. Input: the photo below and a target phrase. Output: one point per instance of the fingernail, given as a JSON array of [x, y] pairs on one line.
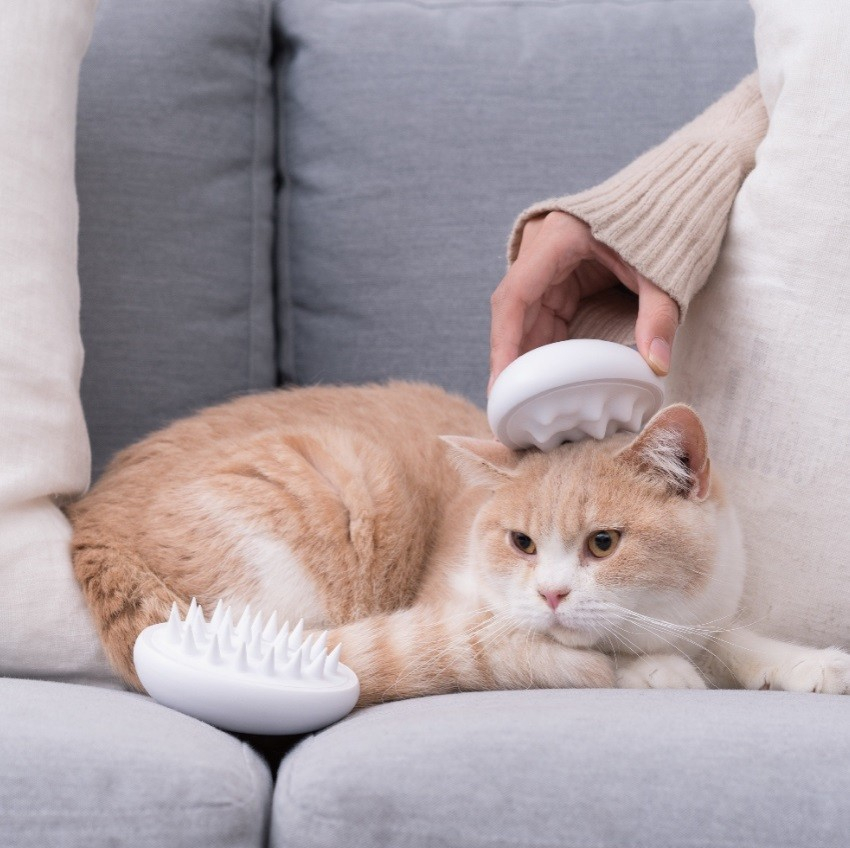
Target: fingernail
[[659, 356]]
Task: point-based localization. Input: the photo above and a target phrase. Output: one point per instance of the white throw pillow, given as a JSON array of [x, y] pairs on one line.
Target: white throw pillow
[[765, 353], [45, 628]]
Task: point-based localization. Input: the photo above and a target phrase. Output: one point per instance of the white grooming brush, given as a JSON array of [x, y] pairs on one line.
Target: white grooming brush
[[567, 391], [249, 678]]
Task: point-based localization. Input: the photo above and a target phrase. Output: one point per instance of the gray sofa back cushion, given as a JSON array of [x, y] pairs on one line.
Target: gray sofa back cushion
[[176, 187], [414, 132]]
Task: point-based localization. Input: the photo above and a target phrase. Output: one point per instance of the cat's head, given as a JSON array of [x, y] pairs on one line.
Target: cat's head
[[567, 538]]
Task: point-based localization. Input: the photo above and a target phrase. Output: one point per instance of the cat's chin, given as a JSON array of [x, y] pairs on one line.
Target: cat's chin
[[572, 636]]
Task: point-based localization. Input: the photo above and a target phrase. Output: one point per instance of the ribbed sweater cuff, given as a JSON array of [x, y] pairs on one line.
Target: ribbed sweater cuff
[[666, 212]]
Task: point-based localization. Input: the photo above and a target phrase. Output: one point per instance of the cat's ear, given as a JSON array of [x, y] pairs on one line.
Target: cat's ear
[[673, 447], [482, 462]]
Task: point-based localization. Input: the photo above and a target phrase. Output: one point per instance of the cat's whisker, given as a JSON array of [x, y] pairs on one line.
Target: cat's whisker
[[714, 623], [632, 647], [596, 627], [488, 621], [745, 626], [704, 628], [712, 635], [467, 613], [499, 630], [644, 652], [700, 645]]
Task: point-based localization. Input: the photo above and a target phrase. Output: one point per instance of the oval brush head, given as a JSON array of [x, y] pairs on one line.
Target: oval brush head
[[567, 391], [249, 678]]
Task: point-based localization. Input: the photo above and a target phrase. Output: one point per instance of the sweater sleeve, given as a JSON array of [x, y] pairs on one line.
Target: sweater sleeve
[[666, 213]]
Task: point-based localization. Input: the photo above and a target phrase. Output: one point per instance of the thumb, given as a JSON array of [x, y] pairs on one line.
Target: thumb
[[657, 322]]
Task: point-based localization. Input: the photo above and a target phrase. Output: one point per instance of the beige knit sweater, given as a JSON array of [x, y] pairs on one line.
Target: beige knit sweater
[[666, 212]]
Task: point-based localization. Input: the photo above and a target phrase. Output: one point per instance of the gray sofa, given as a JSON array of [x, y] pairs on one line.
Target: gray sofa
[[319, 191]]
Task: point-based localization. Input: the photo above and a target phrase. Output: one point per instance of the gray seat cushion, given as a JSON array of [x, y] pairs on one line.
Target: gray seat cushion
[[176, 184], [414, 132], [84, 766], [575, 769]]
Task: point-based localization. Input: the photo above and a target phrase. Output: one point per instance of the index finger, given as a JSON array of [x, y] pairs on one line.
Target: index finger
[[520, 291]]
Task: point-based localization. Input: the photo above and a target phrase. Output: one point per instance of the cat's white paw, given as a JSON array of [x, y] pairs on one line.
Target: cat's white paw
[[659, 671], [824, 670]]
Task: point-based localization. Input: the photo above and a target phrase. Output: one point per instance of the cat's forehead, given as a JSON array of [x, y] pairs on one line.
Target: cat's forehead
[[580, 478], [585, 457]]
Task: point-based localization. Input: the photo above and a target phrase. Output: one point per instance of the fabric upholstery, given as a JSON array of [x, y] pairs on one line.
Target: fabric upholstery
[[764, 354], [45, 629], [84, 766], [574, 769], [413, 133], [176, 180]]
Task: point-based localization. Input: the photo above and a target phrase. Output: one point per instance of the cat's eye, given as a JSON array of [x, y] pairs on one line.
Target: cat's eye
[[523, 543], [603, 543]]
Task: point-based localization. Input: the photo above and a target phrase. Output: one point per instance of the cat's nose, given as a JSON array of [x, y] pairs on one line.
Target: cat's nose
[[553, 598]]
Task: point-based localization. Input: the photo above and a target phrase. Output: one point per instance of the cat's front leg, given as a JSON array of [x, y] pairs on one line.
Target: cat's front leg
[[757, 662], [658, 671], [525, 660]]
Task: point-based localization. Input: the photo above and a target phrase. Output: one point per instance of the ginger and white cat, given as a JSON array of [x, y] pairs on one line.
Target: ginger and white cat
[[440, 564]]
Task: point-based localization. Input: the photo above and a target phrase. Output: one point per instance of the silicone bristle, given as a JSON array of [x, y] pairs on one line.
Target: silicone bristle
[[174, 629], [635, 421], [217, 616], [295, 636], [281, 642], [243, 629], [333, 661], [242, 658], [321, 644], [188, 644], [198, 627], [268, 663], [253, 646], [594, 408], [316, 669], [596, 427], [292, 670], [639, 416], [622, 407], [225, 629], [255, 649], [307, 647], [213, 656], [257, 625], [271, 627]]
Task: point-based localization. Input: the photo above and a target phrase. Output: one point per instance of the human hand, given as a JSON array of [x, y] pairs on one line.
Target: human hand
[[559, 265]]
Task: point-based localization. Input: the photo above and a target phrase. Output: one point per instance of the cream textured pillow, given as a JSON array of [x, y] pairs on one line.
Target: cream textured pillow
[[45, 629], [765, 353]]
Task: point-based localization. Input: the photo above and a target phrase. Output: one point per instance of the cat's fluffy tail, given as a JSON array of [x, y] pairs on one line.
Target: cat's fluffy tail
[[429, 651]]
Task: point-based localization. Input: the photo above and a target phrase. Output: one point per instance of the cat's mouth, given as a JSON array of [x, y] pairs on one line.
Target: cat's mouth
[[579, 624]]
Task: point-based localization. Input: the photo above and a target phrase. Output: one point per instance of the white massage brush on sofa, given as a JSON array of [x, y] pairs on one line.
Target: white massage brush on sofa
[[567, 391], [249, 678]]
